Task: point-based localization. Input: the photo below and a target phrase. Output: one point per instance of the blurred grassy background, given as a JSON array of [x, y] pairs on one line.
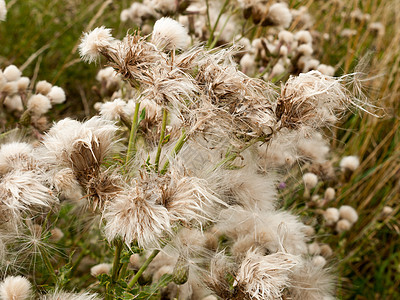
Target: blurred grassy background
[[42, 37]]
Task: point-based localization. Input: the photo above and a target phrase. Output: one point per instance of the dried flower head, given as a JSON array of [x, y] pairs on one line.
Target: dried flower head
[[312, 99], [148, 211], [309, 281], [16, 156], [82, 147], [265, 276], [24, 192], [15, 288], [169, 34], [95, 42]]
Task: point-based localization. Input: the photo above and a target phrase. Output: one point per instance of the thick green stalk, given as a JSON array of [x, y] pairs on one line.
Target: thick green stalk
[[133, 133], [175, 151], [142, 269], [162, 136], [117, 254]]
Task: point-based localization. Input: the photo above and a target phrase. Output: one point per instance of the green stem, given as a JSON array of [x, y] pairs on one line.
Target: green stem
[[162, 136], [211, 38], [48, 264], [232, 156], [220, 32], [133, 133], [123, 270], [78, 260], [117, 255], [175, 151], [142, 269]]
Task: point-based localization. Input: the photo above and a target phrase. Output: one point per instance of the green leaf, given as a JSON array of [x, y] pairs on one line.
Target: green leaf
[[142, 115]]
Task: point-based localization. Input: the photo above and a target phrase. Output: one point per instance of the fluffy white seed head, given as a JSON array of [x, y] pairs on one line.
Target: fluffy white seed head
[[285, 37], [279, 15], [56, 95], [3, 80], [329, 194], [3, 10], [331, 215], [314, 248], [277, 70], [15, 288], [310, 180], [24, 193], [283, 51], [350, 163], [94, 42], [39, 104], [319, 261], [112, 110], [10, 88], [343, 225], [15, 155], [326, 70], [387, 210], [326, 250], [60, 295], [168, 34], [347, 32], [248, 64], [56, 234], [43, 87], [12, 73], [100, 269], [308, 230], [23, 84], [377, 27], [348, 213], [135, 260], [133, 218], [124, 16], [303, 37], [305, 49], [13, 103]]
